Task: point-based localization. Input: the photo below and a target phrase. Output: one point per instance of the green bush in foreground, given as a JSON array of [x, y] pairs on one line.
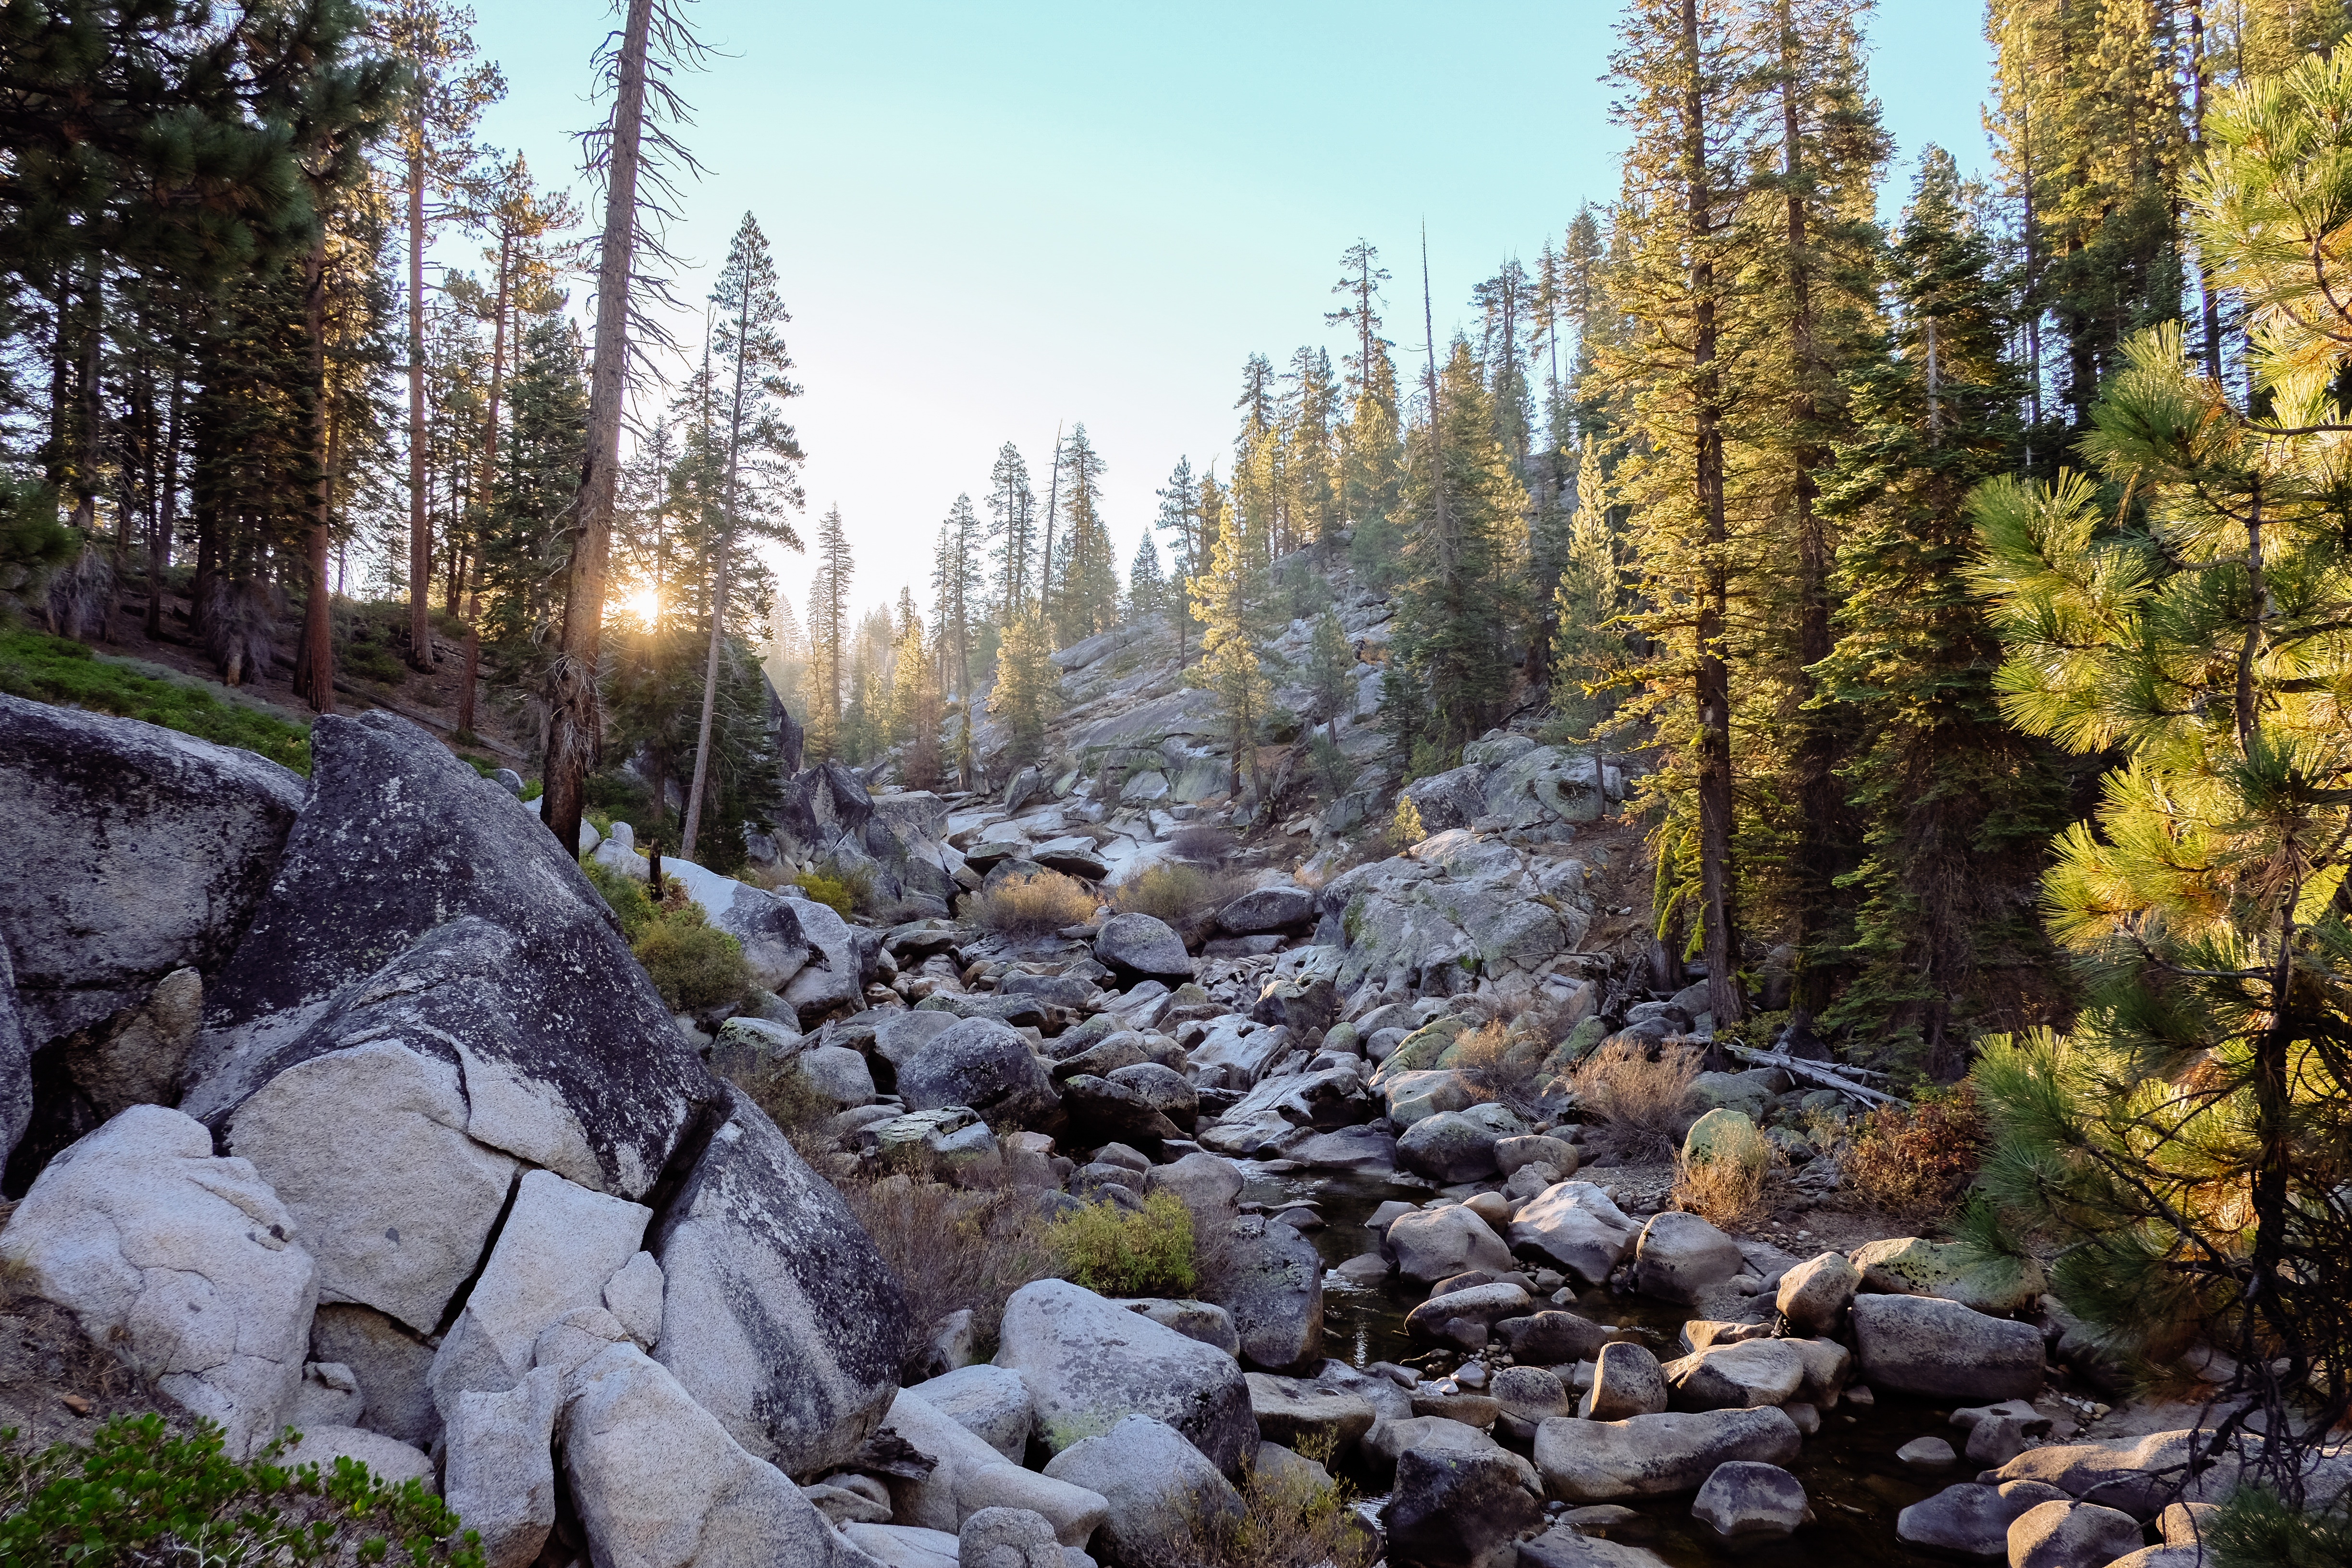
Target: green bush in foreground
[[1114, 1253], [626, 895], [2256, 1529], [695, 965], [59, 671], [138, 1493]]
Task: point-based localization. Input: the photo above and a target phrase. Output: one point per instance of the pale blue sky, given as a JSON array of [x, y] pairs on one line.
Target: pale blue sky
[[991, 217]]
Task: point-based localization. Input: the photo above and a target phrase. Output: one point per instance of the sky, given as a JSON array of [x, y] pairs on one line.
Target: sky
[[991, 220]]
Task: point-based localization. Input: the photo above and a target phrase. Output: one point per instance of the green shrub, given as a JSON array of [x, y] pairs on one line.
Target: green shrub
[[1114, 1253], [137, 1493], [2256, 1529], [60, 671], [377, 661], [838, 892], [626, 895], [693, 965]]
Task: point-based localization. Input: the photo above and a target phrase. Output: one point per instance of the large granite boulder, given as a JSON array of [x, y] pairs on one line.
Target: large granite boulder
[[1972, 1519], [1451, 910], [1680, 1255], [1450, 1509], [1089, 1364], [658, 1483], [1925, 1345], [184, 1264], [1142, 947], [1274, 1292], [778, 1315], [1576, 1225], [1737, 1376], [1429, 1245], [366, 1146], [985, 1065], [1911, 1265], [1654, 1456], [968, 1475], [1281, 907], [414, 902], [1455, 1146], [555, 1252], [132, 851], [1164, 1494]]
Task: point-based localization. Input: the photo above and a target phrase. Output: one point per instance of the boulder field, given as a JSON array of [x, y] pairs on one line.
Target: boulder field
[[342, 1103]]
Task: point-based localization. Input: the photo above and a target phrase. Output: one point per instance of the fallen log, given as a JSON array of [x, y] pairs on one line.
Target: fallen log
[[1818, 1074]]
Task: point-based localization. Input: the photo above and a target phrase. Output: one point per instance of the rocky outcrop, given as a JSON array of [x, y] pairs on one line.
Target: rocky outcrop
[[414, 901], [132, 851], [777, 1316], [1451, 910], [1921, 1344]]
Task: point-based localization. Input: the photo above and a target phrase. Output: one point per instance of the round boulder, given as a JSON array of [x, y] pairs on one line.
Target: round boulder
[[1268, 910], [2072, 1536], [1744, 1501], [1142, 947], [983, 1064], [1456, 1145], [1431, 1245]]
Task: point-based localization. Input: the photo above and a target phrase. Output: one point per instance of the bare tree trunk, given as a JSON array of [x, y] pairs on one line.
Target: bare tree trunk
[[1053, 504], [575, 716], [92, 412], [314, 670], [1719, 940]]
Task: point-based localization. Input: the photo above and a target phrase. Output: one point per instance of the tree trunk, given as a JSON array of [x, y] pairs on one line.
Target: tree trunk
[[1053, 505], [1712, 685], [575, 718], [92, 410], [1818, 795], [167, 507], [718, 590], [420, 525], [314, 670]]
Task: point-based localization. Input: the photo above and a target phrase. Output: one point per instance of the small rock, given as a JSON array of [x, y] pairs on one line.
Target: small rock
[[1744, 1500], [1928, 1454]]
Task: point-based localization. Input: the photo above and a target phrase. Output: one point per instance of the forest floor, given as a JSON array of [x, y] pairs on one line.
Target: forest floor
[[426, 698]]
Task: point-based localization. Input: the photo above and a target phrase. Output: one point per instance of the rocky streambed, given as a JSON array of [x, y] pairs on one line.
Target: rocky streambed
[[342, 1102]]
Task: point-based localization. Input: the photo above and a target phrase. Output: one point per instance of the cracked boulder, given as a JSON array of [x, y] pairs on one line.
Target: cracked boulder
[[415, 903]]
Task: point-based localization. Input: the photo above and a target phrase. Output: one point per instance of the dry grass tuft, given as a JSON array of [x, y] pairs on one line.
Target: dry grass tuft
[[1288, 1521], [1176, 891], [952, 1249], [1641, 1096], [1500, 1063], [1737, 1185], [1033, 905]]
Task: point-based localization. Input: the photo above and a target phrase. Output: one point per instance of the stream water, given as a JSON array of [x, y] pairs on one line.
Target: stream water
[[1854, 1482]]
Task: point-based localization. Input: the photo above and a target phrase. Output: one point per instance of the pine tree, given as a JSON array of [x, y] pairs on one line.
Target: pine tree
[[1689, 102], [958, 584], [1505, 306], [1589, 657], [2185, 1140], [1456, 607], [1179, 515], [1310, 466], [1086, 574], [762, 455], [446, 91], [524, 535], [1012, 533], [1369, 454], [1229, 670], [1147, 585], [1024, 697], [830, 634], [1955, 805], [1330, 672]]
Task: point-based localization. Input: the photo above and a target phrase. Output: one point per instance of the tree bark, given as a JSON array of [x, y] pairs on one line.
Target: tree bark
[[420, 526], [167, 506], [575, 717], [1817, 796], [314, 672], [1712, 685]]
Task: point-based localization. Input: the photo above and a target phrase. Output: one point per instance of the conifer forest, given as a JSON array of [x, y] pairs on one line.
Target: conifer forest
[[1938, 562]]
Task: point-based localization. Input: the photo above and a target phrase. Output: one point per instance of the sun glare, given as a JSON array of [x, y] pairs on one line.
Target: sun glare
[[643, 605]]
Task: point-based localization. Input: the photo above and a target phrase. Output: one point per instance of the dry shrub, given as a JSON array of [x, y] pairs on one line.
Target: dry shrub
[[1736, 1183], [1176, 891], [1033, 905], [1286, 1520], [952, 1249], [1500, 1063], [1917, 1163], [1640, 1095], [801, 1111], [1202, 844]]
